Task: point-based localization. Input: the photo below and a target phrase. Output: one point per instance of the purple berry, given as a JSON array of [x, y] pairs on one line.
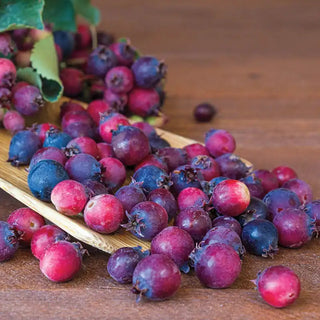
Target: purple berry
[[23, 39], [227, 222], [119, 80], [279, 286], [7, 46], [23, 146], [83, 166], [153, 160], [191, 197], [70, 106], [130, 145], [208, 186], [7, 73], [279, 199], [255, 210], [165, 198], [156, 142], [254, 185], [13, 121], [195, 149], [230, 197], [146, 219], [5, 98], [176, 243], [124, 52], [312, 209], [284, 174], [208, 167], [174, 157], [103, 213], [73, 81], [96, 108], [104, 150], [65, 40], [301, 188], [45, 237], [129, 196], [204, 112], [94, 188], [195, 221], [260, 237], [113, 173], [219, 142], [144, 102], [116, 101], [122, 263], [217, 265], [156, 277], [105, 38], [57, 139], [148, 71], [100, 61], [28, 100], [81, 145], [8, 241], [295, 227], [268, 179]]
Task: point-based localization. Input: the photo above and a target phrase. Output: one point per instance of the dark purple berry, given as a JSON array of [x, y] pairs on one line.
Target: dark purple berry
[[219, 142], [227, 222], [268, 179], [174, 157], [254, 185], [73, 81], [119, 80], [255, 210], [96, 108], [70, 106], [94, 188], [129, 196], [204, 112], [23, 39], [65, 40], [156, 142], [48, 153], [301, 188], [207, 166], [105, 38], [7, 46], [8, 241], [116, 101]]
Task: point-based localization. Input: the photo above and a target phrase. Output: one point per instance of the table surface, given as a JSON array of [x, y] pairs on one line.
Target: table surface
[[258, 63]]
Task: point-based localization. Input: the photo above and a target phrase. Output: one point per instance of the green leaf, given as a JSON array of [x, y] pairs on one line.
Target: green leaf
[[16, 14], [29, 75], [45, 62], [86, 10], [61, 14]]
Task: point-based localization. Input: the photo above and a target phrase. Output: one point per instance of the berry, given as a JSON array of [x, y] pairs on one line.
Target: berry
[[254, 185], [69, 197], [68, 107], [233, 167], [8, 241], [113, 173], [255, 210], [7, 47], [61, 261], [279, 286], [176, 243], [227, 222], [122, 263], [100, 61], [295, 227], [45, 237], [82, 145], [124, 52], [28, 100], [301, 188], [42, 129], [152, 178], [65, 40], [208, 167], [23, 145], [204, 112], [103, 213], [195, 221], [72, 80], [217, 265], [153, 160], [208, 187], [195, 149], [145, 127], [119, 80], [284, 174], [260, 237], [312, 209], [174, 157], [156, 277], [105, 38], [144, 102], [230, 197], [156, 142], [223, 235], [279, 199], [116, 101], [165, 198], [44, 176], [146, 219], [83, 36], [5, 98], [129, 196], [110, 122], [7, 73], [268, 179], [23, 39], [13, 121], [96, 108], [130, 145], [57, 139], [104, 150], [94, 188], [83, 166], [27, 222], [191, 197], [219, 142]]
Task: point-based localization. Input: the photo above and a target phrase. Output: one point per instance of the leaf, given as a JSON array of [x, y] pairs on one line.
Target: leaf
[[29, 75], [85, 9], [16, 14], [61, 14], [45, 62]]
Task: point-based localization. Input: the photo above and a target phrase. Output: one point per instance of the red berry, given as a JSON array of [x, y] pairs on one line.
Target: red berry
[[144, 102], [96, 108], [284, 174], [219, 142], [7, 73]]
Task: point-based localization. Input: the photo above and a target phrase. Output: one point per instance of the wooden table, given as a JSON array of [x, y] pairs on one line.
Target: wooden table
[[258, 62]]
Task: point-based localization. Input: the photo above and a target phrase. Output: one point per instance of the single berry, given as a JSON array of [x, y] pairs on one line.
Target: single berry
[[254, 185], [7, 46], [65, 40], [208, 167], [124, 52], [144, 102], [105, 38], [13, 121], [219, 142], [129, 196], [284, 174], [23, 39], [204, 112], [113, 173], [174, 157], [157, 143], [9, 242], [94, 188], [96, 108], [119, 79], [83, 36], [5, 98], [116, 101], [73, 81], [268, 179], [104, 150], [192, 197], [255, 210], [69, 106], [301, 188], [195, 149], [227, 222], [7, 73], [81, 145]]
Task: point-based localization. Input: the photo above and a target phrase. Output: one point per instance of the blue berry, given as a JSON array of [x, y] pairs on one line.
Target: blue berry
[[65, 41], [256, 210], [56, 138]]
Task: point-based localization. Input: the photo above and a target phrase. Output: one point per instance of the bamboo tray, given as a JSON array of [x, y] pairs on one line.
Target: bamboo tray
[[14, 181]]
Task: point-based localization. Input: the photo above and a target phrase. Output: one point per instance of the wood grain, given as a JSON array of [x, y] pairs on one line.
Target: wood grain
[[258, 62]]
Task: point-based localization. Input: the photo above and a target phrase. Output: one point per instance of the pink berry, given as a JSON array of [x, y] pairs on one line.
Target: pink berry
[[69, 197], [230, 197], [7, 73], [219, 142], [45, 237], [83, 36], [284, 174], [104, 213], [26, 221], [119, 79], [144, 102], [279, 286], [227, 222], [96, 108], [72, 80], [82, 145], [268, 180], [104, 150], [62, 261], [48, 153], [207, 166], [13, 121], [301, 188], [7, 46], [196, 149], [70, 106], [113, 173], [191, 197]]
